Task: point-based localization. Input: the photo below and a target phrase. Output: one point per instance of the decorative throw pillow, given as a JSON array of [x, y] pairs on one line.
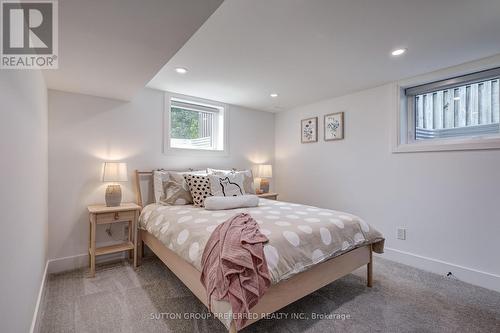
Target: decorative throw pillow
[[171, 188], [248, 183], [176, 190], [229, 185], [199, 187]]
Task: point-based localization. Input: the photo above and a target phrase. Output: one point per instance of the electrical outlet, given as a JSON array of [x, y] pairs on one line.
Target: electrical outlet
[[402, 233]]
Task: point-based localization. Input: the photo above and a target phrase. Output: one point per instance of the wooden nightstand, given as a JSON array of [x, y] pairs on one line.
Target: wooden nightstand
[[272, 196], [100, 214]]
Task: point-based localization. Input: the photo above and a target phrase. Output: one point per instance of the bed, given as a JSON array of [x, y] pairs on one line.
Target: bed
[[308, 247]]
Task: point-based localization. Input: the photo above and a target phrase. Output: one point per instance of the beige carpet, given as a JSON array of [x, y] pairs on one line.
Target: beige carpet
[[403, 299]]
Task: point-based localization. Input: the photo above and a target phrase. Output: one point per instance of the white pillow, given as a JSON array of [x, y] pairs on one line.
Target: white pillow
[[229, 185], [242, 201], [159, 176], [219, 172], [248, 182]]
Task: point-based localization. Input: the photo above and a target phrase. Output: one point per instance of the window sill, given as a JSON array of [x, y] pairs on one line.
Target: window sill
[[195, 152], [477, 143]]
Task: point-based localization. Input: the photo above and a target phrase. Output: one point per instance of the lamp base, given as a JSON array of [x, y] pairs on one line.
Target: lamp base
[[113, 195], [264, 185]]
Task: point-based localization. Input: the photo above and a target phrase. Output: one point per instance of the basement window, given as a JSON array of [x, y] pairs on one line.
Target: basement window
[[453, 114], [195, 125]]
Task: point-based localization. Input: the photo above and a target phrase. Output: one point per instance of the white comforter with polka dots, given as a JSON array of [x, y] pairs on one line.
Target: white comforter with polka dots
[[299, 236]]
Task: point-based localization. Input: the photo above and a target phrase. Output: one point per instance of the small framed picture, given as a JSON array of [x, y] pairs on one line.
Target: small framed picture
[[334, 126], [309, 130]]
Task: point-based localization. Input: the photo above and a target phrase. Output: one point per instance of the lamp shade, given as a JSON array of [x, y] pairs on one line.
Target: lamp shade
[[264, 171], [114, 172]]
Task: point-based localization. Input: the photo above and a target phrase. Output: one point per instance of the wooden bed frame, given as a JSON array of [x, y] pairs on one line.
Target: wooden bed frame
[[278, 295]]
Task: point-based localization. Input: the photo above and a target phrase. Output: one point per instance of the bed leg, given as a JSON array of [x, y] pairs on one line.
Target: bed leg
[[140, 247], [369, 270], [232, 328]]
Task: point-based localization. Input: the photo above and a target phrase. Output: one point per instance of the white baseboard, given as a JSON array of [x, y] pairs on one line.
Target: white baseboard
[[35, 322], [469, 275], [79, 261]]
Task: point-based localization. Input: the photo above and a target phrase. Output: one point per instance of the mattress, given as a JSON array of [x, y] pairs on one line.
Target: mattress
[[299, 236]]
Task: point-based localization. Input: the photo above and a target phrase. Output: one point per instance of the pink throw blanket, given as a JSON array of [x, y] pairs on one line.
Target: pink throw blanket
[[234, 266]]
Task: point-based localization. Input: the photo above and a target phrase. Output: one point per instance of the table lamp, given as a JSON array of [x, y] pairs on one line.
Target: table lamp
[[264, 172], [114, 172]]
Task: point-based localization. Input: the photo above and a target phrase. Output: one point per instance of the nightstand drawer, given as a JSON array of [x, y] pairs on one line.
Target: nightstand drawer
[[115, 217]]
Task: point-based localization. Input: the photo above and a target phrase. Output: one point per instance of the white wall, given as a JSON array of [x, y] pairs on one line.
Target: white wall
[[23, 195], [447, 200], [84, 131]]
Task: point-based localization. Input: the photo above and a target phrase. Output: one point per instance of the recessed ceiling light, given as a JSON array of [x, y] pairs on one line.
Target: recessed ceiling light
[[398, 52], [456, 98], [181, 70], [273, 95]]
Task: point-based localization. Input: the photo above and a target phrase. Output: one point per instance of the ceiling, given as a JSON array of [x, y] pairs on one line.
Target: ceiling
[[310, 50], [112, 48]]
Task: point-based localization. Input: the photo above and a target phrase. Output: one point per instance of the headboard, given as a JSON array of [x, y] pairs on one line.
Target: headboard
[[144, 194]]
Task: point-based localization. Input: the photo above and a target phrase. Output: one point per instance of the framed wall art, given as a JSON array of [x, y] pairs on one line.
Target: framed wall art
[[334, 126], [309, 130]]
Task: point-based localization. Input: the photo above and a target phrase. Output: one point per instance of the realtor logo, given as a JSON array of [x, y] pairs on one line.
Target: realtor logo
[[29, 34]]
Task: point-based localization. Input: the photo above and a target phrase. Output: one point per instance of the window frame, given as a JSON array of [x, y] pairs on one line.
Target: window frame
[[404, 139], [221, 125]]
